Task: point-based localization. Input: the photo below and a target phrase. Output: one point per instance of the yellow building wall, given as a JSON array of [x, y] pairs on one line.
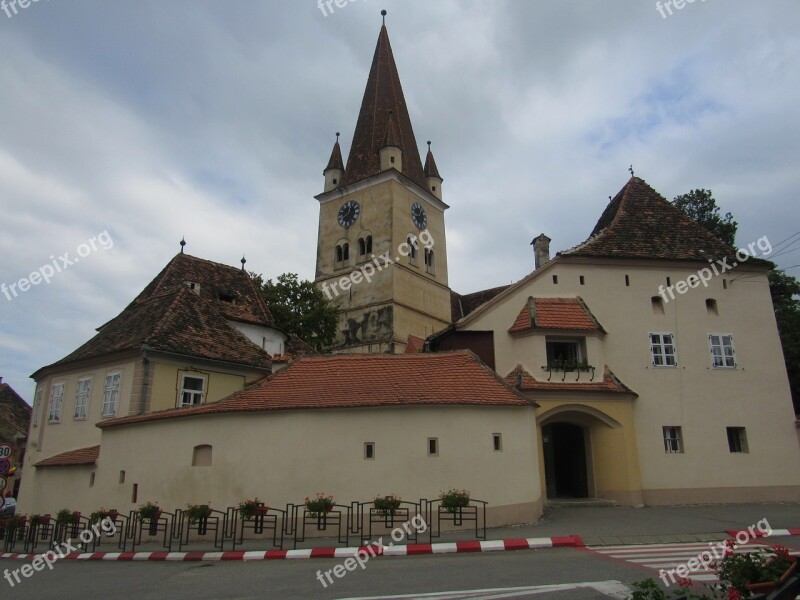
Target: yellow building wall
[[166, 380]]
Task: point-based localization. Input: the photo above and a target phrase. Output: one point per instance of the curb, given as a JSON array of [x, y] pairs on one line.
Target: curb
[[572, 541], [773, 533]]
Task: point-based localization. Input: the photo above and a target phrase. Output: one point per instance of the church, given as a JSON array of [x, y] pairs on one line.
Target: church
[[579, 381]]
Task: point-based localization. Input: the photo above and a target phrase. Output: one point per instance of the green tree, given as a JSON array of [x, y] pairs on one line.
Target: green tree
[[700, 206], [299, 307]]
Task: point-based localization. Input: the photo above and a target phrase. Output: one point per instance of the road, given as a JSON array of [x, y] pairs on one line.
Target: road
[[410, 577]]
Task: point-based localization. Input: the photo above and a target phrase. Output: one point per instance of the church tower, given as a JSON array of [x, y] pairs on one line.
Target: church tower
[[381, 247]]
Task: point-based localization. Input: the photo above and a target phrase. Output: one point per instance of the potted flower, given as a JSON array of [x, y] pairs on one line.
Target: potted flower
[[760, 571], [149, 510], [98, 515], [15, 522], [319, 504], [198, 512], [39, 520], [250, 509], [387, 505], [67, 517], [453, 500]]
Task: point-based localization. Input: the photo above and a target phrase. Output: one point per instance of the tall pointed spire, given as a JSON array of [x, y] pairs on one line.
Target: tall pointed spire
[[335, 161], [383, 96], [430, 165]]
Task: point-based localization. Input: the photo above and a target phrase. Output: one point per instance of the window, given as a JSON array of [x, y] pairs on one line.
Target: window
[[202, 455], [724, 284], [555, 279], [627, 281], [364, 247], [37, 406], [722, 355], [673, 440], [91, 479], [412, 249], [192, 390], [564, 352], [430, 262], [56, 400], [369, 450], [433, 446], [135, 494], [342, 254], [497, 442], [122, 476], [658, 305], [669, 282], [662, 350], [582, 280], [111, 394], [711, 307], [737, 440], [82, 397]]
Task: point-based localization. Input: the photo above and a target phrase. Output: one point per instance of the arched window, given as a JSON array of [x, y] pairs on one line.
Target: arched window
[[369, 244], [201, 457], [362, 247], [412, 249], [345, 251], [430, 261], [339, 254]]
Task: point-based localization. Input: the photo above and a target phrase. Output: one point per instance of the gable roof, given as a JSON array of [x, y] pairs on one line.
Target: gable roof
[[231, 290], [383, 97], [555, 313], [83, 456], [640, 223], [359, 381], [524, 381]]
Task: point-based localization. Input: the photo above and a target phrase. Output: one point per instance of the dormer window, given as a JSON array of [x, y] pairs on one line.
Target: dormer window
[[195, 287], [227, 297]]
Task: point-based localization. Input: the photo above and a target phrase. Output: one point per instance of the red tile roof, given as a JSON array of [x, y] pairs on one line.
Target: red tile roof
[[231, 290], [414, 345], [335, 161], [463, 305], [430, 169], [640, 223], [523, 381], [383, 96], [176, 321], [84, 456], [555, 313], [360, 381]]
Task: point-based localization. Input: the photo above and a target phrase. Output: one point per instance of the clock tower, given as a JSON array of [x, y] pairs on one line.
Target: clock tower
[[381, 247]]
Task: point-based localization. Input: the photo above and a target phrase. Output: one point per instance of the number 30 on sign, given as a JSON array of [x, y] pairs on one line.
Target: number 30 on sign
[[5, 451]]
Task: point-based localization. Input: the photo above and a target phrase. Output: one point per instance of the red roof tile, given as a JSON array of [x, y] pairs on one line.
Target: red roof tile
[[414, 345], [360, 381], [640, 223], [383, 96], [84, 456], [555, 313], [523, 381]]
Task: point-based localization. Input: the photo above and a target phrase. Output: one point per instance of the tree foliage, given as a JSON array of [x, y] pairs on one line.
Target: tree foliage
[[299, 307], [700, 206]]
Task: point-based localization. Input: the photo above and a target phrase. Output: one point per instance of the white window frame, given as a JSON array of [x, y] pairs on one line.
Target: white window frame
[[56, 402], [183, 390], [37, 405], [720, 346], [673, 439], [82, 398], [111, 394], [661, 347]]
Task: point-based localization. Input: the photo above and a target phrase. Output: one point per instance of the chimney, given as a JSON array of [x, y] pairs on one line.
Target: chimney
[[541, 250], [280, 362]]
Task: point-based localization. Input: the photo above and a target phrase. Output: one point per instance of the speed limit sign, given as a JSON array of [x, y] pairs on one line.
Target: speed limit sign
[[3, 483], [5, 451]]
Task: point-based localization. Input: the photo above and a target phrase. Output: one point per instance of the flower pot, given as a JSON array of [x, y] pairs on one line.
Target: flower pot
[[769, 586]]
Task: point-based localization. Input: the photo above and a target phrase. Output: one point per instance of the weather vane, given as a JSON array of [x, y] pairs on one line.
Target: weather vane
[[631, 170]]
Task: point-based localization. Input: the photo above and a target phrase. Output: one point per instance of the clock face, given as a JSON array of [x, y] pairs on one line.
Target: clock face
[[418, 215], [348, 213]]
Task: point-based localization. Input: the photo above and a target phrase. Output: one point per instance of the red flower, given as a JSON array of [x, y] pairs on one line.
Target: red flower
[[781, 551], [733, 594], [684, 583]]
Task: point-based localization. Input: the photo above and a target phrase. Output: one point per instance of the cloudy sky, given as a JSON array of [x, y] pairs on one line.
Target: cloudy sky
[[157, 119]]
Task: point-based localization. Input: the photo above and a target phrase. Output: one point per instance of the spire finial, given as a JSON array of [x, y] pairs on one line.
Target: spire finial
[[183, 243], [243, 261], [429, 144], [383, 14], [337, 137], [631, 170]]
